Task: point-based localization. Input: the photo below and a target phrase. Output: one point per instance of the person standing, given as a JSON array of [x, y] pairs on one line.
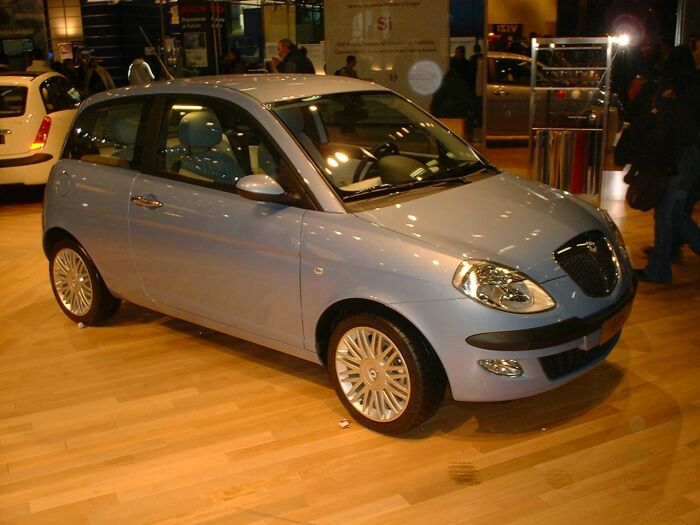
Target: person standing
[[676, 138], [291, 60], [460, 64], [140, 72], [348, 70], [477, 80], [232, 63], [71, 72], [97, 78], [452, 99]]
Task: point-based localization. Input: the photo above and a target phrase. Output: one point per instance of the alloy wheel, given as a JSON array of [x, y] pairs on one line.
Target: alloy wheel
[[72, 282], [372, 374]]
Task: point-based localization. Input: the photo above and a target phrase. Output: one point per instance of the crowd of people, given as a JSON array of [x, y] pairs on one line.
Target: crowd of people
[[460, 92], [87, 76]]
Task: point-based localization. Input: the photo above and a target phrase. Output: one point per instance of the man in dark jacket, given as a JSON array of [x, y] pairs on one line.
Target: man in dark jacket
[[291, 60]]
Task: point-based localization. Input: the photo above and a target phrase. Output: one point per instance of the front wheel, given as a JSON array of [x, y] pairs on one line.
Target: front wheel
[[77, 285], [384, 373]]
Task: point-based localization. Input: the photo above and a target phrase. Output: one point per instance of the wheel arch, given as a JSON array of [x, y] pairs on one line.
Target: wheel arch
[[52, 236], [335, 312]]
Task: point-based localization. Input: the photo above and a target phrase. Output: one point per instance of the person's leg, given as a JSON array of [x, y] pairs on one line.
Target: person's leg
[[692, 161], [688, 175], [658, 267]]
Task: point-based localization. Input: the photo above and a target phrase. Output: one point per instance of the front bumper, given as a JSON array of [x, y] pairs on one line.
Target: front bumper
[[550, 355], [561, 332]]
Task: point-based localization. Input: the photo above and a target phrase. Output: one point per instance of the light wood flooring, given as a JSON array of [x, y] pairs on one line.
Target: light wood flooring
[[151, 420]]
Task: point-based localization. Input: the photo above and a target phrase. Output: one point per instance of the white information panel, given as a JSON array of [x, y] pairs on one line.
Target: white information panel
[[400, 44]]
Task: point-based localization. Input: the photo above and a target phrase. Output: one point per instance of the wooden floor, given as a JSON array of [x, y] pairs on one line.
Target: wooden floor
[[153, 420]]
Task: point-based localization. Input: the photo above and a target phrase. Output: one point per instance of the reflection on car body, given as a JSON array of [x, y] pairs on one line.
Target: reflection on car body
[[332, 219], [573, 105]]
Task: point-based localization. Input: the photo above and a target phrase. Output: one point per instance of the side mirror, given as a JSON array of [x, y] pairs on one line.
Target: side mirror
[[260, 188]]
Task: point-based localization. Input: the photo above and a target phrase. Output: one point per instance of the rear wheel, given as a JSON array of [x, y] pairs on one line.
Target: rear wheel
[[384, 373], [77, 285]]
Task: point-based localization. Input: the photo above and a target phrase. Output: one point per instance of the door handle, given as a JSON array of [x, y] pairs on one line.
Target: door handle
[[500, 92], [146, 203]]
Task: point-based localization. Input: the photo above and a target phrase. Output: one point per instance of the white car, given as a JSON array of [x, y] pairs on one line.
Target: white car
[[36, 111]]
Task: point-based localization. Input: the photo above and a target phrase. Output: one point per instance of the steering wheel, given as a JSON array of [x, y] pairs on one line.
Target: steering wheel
[[378, 151]]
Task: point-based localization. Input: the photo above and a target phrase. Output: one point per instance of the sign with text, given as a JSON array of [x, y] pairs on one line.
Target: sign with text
[[507, 29], [199, 21], [400, 44]]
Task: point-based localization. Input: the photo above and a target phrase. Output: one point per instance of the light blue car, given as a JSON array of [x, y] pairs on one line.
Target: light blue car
[[332, 219]]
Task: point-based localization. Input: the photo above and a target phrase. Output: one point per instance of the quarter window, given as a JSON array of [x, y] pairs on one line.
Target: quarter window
[[58, 94], [110, 134]]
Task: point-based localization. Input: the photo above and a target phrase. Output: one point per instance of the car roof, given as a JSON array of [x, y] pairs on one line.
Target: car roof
[[265, 88], [24, 78]]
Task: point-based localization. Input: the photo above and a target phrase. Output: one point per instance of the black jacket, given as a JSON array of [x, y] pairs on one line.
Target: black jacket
[[296, 62]]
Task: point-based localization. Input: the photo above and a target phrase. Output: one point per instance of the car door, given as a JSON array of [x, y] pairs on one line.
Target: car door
[[508, 96], [102, 156], [200, 249]]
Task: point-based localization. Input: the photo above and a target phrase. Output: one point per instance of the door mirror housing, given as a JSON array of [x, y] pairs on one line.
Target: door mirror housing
[[261, 188]]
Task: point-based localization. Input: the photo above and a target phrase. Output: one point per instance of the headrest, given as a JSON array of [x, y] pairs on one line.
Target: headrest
[[124, 131], [200, 129]]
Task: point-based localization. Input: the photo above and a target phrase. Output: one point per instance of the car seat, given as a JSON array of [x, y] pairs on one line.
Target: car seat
[[207, 154], [123, 134]]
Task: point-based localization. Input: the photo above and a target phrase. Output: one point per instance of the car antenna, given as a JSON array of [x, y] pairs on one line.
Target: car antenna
[[162, 64]]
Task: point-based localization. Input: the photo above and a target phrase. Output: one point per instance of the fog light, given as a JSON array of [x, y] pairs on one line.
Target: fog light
[[502, 367]]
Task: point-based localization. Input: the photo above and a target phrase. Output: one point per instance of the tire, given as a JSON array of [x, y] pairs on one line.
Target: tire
[[390, 391], [77, 285]]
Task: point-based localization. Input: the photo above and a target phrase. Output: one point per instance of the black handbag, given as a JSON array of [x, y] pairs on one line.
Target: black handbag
[[646, 188]]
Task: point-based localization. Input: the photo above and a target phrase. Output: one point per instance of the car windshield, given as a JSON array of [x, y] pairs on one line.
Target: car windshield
[[12, 100], [372, 143]]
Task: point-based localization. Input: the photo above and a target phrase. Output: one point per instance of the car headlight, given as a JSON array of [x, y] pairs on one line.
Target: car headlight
[[501, 288]]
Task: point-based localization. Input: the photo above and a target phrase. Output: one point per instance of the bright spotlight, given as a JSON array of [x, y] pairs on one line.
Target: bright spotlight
[[623, 40]]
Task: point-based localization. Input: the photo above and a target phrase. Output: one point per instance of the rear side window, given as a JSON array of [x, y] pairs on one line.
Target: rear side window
[[58, 94], [12, 101], [110, 134]]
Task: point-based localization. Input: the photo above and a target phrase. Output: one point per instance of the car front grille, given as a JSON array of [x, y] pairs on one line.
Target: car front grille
[[565, 363], [590, 261]]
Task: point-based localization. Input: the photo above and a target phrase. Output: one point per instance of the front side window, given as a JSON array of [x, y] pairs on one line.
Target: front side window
[[12, 101], [110, 134], [58, 94], [370, 143]]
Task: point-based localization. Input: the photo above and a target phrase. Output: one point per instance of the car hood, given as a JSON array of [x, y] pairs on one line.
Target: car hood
[[502, 218]]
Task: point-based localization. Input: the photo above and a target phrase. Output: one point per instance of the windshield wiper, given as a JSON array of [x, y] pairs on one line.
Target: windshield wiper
[[464, 170], [387, 189], [382, 189]]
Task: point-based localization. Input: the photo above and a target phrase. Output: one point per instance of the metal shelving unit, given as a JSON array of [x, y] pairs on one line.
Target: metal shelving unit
[[569, 108]]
